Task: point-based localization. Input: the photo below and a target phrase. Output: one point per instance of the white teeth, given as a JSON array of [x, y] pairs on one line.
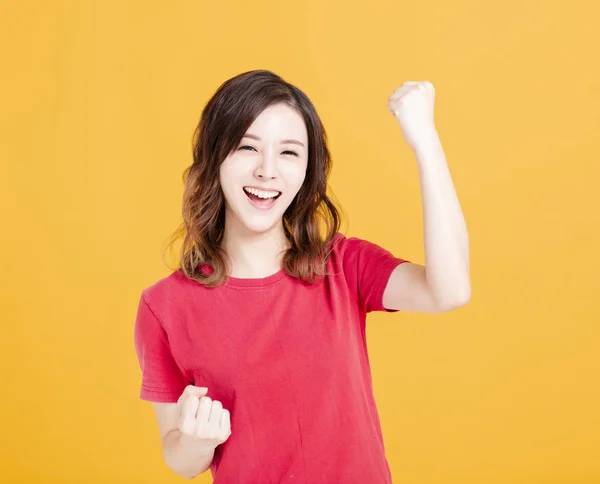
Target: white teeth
[[260, 193]]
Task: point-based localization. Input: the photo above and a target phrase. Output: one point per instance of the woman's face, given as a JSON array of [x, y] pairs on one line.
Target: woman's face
[[261, 177]]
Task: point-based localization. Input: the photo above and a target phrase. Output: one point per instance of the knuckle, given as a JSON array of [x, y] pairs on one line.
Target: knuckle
[[186, 428], [201, 430]]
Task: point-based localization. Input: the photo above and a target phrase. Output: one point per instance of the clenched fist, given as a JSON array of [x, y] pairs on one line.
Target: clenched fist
[[412, 105], [203, 419]]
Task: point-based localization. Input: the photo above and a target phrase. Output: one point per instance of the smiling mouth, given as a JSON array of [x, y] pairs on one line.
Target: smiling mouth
[[253, 194], [260, 202]]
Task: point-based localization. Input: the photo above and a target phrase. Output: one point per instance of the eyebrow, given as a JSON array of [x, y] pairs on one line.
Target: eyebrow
[[283, 141]]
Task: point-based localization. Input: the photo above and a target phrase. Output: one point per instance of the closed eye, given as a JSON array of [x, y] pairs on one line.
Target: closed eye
[[248, 148]]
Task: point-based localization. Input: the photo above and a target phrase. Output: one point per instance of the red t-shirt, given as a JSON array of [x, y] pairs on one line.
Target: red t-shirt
[[287, 359]]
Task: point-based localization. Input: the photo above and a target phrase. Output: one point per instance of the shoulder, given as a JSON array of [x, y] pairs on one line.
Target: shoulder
[[346, 253], [358, 254], [344, 246], [168, 289], [341, 243]]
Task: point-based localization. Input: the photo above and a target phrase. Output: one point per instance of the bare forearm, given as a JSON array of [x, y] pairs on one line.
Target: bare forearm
[[183, 455], [446, 238]]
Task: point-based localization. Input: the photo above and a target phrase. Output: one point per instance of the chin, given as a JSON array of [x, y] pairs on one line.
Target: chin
[[256, 224], [259, 227]]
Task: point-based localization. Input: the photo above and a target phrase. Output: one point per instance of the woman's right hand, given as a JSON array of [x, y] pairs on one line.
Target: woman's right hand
[[202, 419]]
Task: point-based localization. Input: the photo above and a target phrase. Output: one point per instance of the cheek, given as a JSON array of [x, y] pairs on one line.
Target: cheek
[[226, 183], [295, 175], [235, 170], [229, 172]]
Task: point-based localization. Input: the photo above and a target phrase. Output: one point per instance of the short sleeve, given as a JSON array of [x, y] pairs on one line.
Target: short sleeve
[[162, 379], [368, 267]]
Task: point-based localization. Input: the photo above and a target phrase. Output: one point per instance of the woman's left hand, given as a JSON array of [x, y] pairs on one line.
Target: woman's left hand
[[412, 105]]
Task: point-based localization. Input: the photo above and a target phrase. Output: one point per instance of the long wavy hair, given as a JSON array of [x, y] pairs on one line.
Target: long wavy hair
[[224, 121]]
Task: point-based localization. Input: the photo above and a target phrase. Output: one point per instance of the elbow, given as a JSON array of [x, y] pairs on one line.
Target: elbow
[[457, 300], [186, 474]]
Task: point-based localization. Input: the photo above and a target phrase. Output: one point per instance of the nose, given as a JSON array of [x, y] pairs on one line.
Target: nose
[[267, 167]]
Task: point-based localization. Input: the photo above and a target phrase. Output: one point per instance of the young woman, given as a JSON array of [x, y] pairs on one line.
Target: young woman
[[254, 350]]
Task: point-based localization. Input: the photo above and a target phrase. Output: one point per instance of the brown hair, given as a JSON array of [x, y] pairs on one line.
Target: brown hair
[[224, 121]]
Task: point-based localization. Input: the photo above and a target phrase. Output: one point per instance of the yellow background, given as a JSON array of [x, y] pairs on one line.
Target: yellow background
[[99, 100]]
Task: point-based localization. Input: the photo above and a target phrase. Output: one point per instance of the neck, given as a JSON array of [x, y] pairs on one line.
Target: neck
[[254, 255]]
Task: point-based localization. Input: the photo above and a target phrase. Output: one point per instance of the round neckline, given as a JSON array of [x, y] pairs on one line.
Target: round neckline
[[256, 281]]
